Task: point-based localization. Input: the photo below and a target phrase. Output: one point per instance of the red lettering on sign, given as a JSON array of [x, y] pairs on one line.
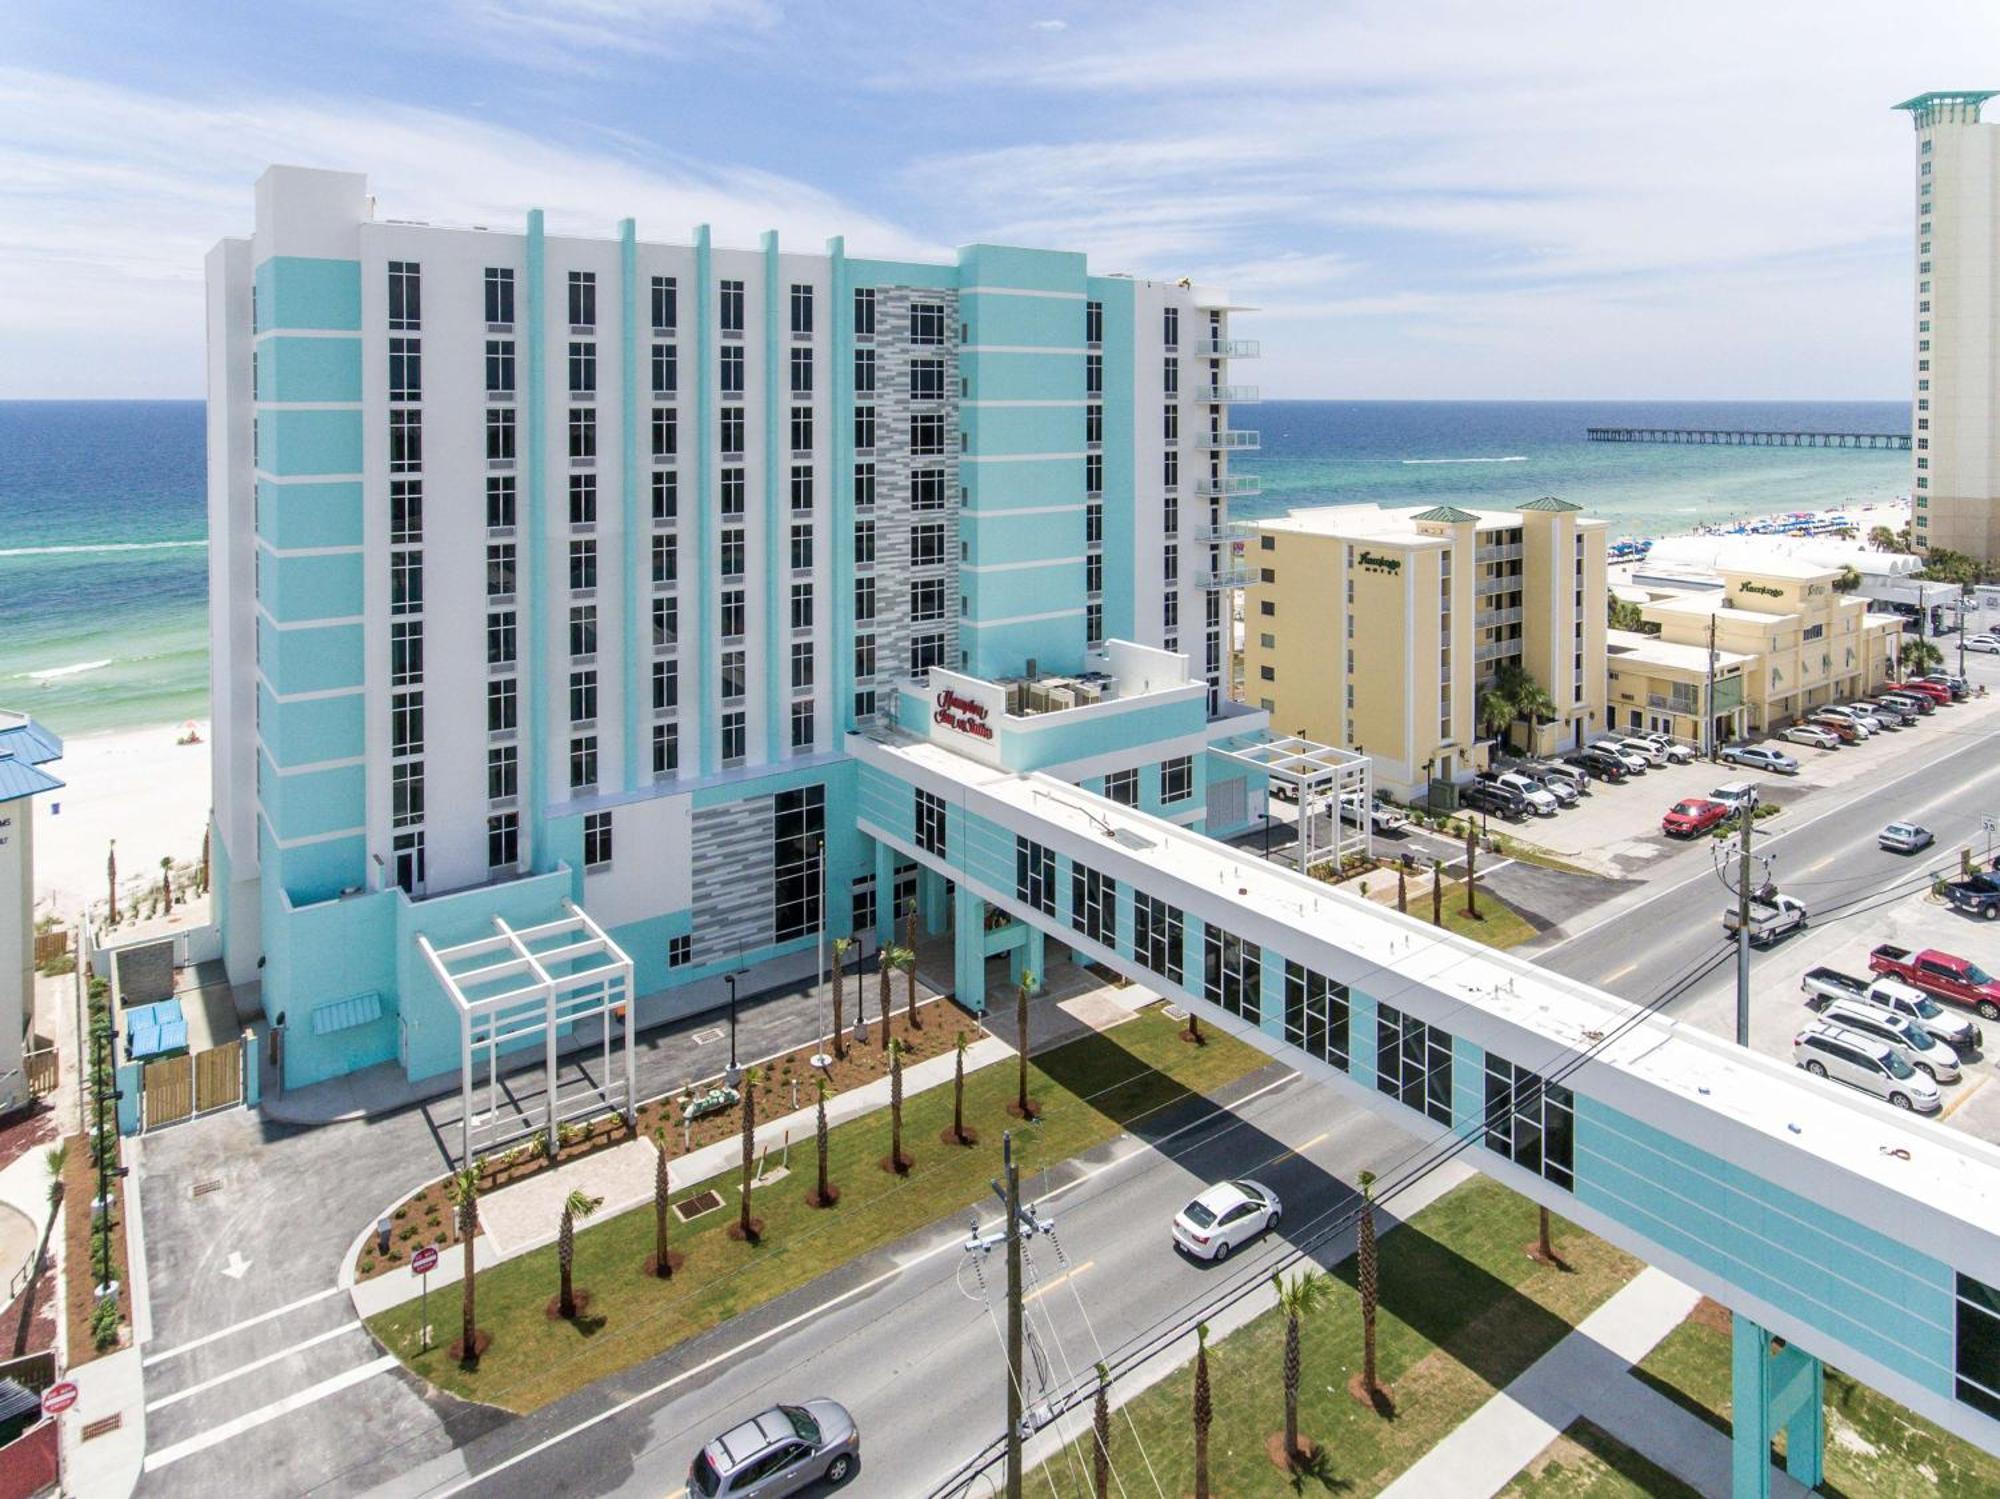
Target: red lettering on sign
[[962, 714]]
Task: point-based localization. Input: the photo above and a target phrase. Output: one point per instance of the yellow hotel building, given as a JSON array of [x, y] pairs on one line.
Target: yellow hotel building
[[1378, 630]]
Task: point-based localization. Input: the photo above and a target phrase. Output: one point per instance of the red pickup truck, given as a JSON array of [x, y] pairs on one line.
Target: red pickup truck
[[1695, 815], [1958, 980]]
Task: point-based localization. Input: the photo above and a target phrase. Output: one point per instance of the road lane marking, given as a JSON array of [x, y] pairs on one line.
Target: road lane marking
[[271, 1358], [1296, 1150], [236, 1327], [251, 1420], [1048, 1286], [1617, 973]]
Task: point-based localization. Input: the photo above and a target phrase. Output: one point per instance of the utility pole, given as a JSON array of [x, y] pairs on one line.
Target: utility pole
[[1749, 816], [1020, 1220], [1963, 591], [1708, 735]]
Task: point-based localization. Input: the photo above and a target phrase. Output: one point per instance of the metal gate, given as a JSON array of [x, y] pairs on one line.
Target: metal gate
[[168, 1091], [218, 1077]]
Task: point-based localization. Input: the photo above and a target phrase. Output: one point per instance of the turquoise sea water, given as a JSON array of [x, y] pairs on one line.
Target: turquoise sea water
[[104, 562]]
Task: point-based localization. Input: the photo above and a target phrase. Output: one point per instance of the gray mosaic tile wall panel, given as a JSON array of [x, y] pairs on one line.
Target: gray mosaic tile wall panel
[[735, 896]]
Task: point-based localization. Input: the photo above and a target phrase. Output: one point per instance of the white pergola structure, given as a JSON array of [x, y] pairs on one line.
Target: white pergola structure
[[1321, 777], [535, 982]]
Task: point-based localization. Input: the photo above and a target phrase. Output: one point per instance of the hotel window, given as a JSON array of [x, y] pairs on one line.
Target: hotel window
[[926, 433], [864, 312], [503, 772], [582, 565], [583, 299], [802, 724], [406, 581], [802, 429], [1170, 375], [583, 432], [583, 762], [666, 748], [731, 379], [1170, 474], [503, 840], [735, 738], [733, 493], [499, 569], [729, 307], [408, 850], [798, 834], [802, 372], [500, 638], [1093, 374], [802, 547], [406, 653], [864, 600], [732, 551], [1171, 423], [406, 369], [927, 379], [1122, 786], [666, 558], [1093, 425], [583, 629], [1177, 779], [926, 651], [927, 544], [680, 951], [406, 793], [802, 308], [1531, 1122], [499, 295], [406, 441], [732, 613], [406, 723], [1093, 525], [1977, 1345], [1093, 624], [583, 696], [731, 437], [864, 657], [500, 366], [927, 489], [802, 606], [1170, 563], [803, 656], [1316, 1013], [1093, 573], [930, 823], [406, 512], [864, 485], [864, 372], [1413, 1063], [1093, 322], [1170, 327], [864, 543], [1157, 936], [802, 487], [1093, 473], [406, 303], [500, 431], [926, 600], [502, 705], [583, 499], [1035, 875], [596, 839], [666, 303], [1170, 614], [927, 323], [1093, 905], [583, 369], [666, 686], [1232, 972]]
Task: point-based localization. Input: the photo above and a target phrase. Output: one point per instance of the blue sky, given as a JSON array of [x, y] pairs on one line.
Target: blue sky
[[1427, 199]]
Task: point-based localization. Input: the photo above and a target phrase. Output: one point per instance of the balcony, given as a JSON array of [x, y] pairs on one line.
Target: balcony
[[1492, 618], [1227, 348], [1241, 395], [1498, 583], [1511, 553], [1220, 535], [1226, 577], [1683, 705], [1228, 439], [1493, 650], [1210, 489]]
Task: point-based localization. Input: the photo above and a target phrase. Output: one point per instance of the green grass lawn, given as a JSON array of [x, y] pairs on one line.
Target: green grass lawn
[[1463, 1311], [1587, 1462], [1874, 1447], [1498, 924], [1090, 1090]]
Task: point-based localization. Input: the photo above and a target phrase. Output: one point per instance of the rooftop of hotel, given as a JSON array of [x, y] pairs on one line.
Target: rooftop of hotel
[[1373, 522], [1630, 646], [1917, 1158]]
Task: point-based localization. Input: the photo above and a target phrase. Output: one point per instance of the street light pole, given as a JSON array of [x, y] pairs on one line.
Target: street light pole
[[735, 1072], [1749, 815]]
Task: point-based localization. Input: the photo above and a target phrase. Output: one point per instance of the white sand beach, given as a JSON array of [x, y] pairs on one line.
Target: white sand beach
[[135, 785]]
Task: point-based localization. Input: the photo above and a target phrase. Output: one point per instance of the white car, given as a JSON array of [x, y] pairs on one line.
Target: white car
[[1813, 734], [1559, 787], [1541, 802], [1759, 757], [1675, 752], [1645, 749], [1634, 763], [1905, 838], [1990, 644], [1863, 724], [1226, 1217], [1834, 1051]]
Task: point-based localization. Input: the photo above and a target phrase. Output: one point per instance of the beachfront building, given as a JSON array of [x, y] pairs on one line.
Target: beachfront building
[[1955, 485], [1380, 630], [25, 748], [1786, 640], [554, 578]]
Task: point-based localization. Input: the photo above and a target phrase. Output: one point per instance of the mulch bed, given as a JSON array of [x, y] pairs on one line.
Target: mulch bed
[[79, 1186], [554, 1312], [831, 1199], [651, 1268], [1274, 1448], [1382, 1402], [735, 1230], [900, 1165], [950, 1136]]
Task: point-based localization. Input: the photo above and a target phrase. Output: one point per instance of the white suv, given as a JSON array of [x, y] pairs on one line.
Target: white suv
[[1863, 1062], [1912, 1042], [1540, 800]]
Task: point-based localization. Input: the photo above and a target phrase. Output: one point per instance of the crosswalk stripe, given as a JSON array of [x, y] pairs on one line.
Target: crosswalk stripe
[[284, 1353], [236, 1327], [250, 1420]]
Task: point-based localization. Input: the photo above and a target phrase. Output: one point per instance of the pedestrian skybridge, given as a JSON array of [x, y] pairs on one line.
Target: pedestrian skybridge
[[1834, 1227]]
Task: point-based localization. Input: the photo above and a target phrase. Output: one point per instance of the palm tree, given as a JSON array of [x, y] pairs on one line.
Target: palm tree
[[898, 1162], [1919, 655], [55, 1158], [746, 1226], [1306, 1292], [1545, 1250], [1471, 881], [1022, 1106], [1881, 539], [958, 1096], [841, 947], [463, 1190], [663, 1261], [204, 861], [1367, 1274], [1849, 579], [823, 1195], [1100, 1437], [576, 1205], [1204, 1411], [1437, 892], [111, 879], [885, 970], [1532, 702], [1402, 892], [905, 958], [1496, 711], [167, 881]]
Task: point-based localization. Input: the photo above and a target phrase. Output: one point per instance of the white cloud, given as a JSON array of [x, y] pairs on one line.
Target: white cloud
[[579, 33], [110, 198], [1049, 25]]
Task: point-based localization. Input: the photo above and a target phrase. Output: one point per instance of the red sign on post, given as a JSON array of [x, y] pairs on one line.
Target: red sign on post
[[58, 1398], [424, 1260]]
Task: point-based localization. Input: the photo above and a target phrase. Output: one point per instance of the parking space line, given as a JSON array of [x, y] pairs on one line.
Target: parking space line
[[1964, 1093], [236, 1327], [250, 1420], [271, 1358]]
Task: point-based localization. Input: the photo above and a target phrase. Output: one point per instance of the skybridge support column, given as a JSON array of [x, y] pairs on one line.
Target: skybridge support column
[[1774, 1387], [930, 900], [886, 914], [968, 949], [1028, 958]]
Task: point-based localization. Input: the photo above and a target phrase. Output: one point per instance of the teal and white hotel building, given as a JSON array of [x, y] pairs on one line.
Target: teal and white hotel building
[[596, 619]]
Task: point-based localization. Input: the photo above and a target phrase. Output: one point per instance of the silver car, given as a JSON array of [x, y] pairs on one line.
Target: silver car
[[786, 1450]]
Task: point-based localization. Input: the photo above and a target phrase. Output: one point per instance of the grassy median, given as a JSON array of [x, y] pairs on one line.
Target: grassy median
[[1089, 1090]]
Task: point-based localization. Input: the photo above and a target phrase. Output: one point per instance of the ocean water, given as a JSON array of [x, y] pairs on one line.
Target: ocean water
[[104, 562]]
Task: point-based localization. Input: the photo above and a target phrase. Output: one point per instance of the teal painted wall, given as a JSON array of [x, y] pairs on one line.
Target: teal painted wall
[[309, 515], [310, 659], [1014, 266], [308, 442], [305, 732], [293, 588], [296, 292], [308, 369], [309, 803], [1120, 481]]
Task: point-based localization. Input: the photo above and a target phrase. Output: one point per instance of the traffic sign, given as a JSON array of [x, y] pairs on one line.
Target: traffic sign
[[58, 1398], [424, 1260]]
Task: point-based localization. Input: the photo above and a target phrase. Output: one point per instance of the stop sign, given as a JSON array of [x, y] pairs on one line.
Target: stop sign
[[424, 1260], [58, 1398]]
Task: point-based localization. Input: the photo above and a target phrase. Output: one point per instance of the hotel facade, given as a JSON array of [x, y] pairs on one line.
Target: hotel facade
[[553, 580], [1378, 630], [1955, 421]]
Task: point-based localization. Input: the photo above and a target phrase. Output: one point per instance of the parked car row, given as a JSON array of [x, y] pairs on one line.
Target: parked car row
[[1836, 724], [1886, 1036]]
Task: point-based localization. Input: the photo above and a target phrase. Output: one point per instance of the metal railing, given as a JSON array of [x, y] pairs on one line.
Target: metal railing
[[1232, 484], [1499, 583], [1226, 577], [1228, 438], [1485, 618], [1509, 553], [1240, 394], [1227, 348]]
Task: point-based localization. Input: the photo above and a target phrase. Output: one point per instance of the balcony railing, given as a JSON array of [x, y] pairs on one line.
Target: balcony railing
[[1488, 618], [1510, 553], [1684, 705], [1226, 577], [1227, 532], [1498, 583], [1210, 489], [1229, 438], [1227, 348], [1241, 395], [1494, 649]]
